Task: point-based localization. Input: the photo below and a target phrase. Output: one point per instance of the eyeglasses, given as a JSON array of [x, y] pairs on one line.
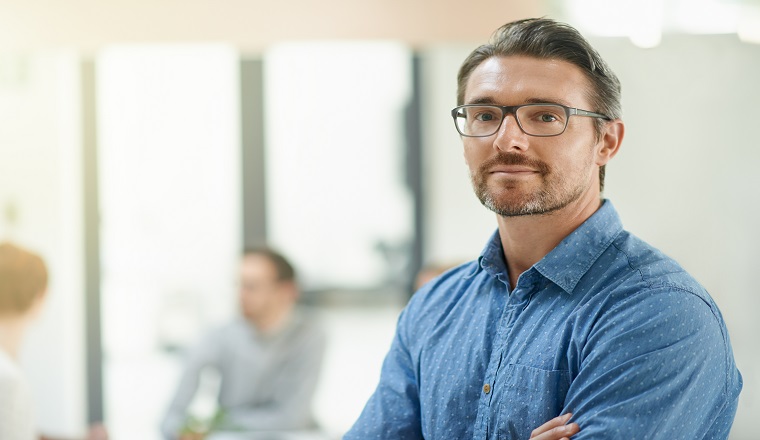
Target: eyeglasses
[[476, 120]]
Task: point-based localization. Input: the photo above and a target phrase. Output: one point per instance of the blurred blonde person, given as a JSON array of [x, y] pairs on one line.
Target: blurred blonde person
[[23, 289]]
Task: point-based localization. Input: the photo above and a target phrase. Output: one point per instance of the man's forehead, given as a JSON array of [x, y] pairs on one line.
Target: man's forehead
[[521, 79], [255, 263]]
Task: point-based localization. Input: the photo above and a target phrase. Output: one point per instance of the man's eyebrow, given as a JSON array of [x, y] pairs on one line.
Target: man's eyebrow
[[547, 101], [485, 100], [482, 100]]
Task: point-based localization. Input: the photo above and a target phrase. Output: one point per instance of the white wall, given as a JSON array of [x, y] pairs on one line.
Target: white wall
[[685, 180], [40, 175]]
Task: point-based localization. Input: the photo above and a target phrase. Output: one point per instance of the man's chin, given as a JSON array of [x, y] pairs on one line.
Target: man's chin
[[506, 205], [511, 211], [506, 209], [516, 208]]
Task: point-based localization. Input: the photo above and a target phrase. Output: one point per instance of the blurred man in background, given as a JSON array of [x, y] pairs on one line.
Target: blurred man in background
[[23, 289], [268, 359], [565, 317]]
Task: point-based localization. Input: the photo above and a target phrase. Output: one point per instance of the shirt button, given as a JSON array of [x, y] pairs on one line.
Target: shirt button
[[486, 388]]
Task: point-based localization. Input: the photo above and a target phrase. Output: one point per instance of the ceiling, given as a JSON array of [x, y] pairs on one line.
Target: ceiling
[[249, 24], [252, 25]]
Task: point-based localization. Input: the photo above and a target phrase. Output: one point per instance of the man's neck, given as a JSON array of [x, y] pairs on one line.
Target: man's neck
[[525, 240], [274, 321]]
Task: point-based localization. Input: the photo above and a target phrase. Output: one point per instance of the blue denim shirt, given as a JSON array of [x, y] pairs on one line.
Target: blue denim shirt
[[605, 326]]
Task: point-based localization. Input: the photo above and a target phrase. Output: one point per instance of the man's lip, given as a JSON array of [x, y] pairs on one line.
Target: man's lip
[[512, 169]]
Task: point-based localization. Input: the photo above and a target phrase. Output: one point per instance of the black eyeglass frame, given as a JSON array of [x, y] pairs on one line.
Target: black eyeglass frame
[[507, 109]]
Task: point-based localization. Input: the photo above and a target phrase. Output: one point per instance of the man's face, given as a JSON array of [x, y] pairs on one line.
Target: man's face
[[260, 290], [516, 174]]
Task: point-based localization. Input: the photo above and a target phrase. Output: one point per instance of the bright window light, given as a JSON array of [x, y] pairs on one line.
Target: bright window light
[[335, 158]]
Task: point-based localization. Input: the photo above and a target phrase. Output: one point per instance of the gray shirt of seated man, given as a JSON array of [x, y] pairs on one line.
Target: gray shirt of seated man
[[268, 360]]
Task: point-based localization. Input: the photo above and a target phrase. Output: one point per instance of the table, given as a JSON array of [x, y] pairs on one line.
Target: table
[[270, 435]]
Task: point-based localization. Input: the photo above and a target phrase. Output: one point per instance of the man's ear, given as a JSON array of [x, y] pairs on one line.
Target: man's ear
[[291, 290], [612, 137]]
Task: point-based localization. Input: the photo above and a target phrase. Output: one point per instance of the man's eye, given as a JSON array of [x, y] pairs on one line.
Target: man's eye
[[546, 117], [485, 117]]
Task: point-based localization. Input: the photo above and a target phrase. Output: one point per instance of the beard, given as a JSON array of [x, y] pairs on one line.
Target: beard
[[509, 200]]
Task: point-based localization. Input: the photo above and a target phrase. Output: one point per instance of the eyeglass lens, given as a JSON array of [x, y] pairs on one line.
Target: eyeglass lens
[[537, 120]]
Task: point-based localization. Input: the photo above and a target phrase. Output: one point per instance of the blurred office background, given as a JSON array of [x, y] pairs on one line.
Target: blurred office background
[[143, 144]]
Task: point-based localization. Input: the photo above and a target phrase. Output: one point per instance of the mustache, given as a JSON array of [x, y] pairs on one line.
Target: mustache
[[503, 158]]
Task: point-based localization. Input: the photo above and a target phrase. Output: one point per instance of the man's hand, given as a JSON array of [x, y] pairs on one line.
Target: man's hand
[[556, 429]]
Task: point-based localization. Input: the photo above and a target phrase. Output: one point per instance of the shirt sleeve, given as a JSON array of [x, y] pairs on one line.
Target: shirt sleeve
[[393, 411], [658, 366], [205, 354]]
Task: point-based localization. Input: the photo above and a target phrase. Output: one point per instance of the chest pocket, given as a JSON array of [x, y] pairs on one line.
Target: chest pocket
[[531, 397]]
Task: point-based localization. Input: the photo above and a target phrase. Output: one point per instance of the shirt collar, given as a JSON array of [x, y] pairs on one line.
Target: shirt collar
[[492, 260], [290, 322], [566, 264]]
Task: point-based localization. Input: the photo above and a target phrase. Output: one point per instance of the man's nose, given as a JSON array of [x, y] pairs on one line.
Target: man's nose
[[510, 136]]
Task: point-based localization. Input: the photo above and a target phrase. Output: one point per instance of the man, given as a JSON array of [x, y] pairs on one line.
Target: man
[[268, 359], [23, 290], [565, 317]]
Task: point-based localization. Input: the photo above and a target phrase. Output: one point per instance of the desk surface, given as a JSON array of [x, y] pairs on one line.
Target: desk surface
[[270, 435]]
